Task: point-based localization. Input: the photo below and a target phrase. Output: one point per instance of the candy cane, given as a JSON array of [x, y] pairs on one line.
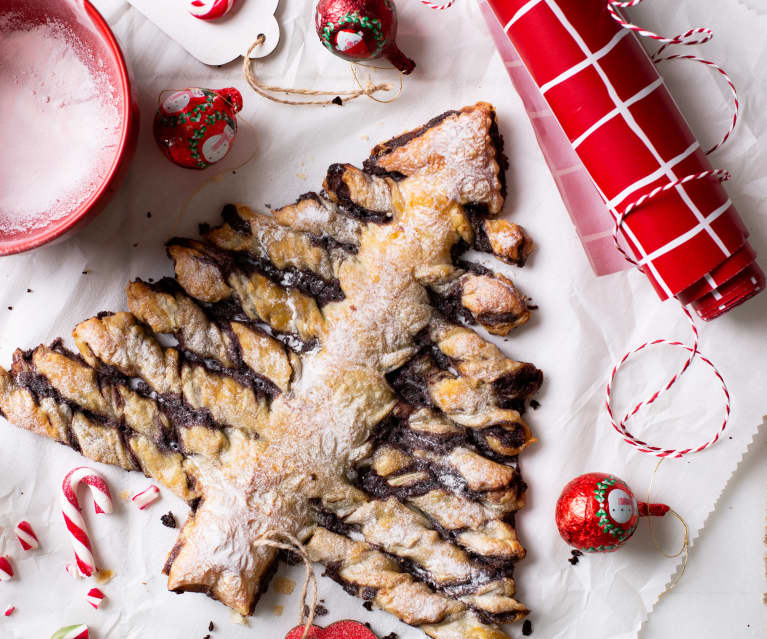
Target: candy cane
[[95, 597], [70, 509], [146, 497], [6, 569], [26, 536], [210, 9], [439, 6], [80, 631], [73, 571]]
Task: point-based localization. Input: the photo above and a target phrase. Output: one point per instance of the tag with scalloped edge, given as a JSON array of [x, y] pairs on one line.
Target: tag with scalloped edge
[[217, 41]]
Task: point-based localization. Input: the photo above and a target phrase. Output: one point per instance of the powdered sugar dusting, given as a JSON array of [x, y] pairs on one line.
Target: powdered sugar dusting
[[59, 123]]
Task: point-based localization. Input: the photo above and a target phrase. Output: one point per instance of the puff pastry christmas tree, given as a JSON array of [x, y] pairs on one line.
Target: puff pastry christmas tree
[[325, 382]]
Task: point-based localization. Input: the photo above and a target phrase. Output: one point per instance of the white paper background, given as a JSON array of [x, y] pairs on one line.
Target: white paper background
[[584, 323]]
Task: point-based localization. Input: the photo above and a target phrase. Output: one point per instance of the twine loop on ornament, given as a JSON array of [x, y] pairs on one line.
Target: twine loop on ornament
[[285, 541], [266, 90], [697, 35], [685, 547]]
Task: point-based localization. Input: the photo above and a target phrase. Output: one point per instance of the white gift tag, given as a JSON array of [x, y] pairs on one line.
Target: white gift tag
[[216, 41]]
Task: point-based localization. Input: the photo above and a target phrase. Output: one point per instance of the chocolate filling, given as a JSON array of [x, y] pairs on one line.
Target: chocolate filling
[[520, 383], [334, 182], [306, 281], [309, 283], [371, 164], [232, 217]]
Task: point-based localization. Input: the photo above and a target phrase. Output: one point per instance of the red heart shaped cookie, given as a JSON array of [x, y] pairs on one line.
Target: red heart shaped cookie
[[337, 630]]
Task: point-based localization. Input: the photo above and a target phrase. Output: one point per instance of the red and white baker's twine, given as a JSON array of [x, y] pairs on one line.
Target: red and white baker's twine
[[70, 509], [620, 427], [698, 35]]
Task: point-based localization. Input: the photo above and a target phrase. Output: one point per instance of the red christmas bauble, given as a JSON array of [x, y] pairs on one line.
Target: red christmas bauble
[[597, 512], [196, 127], [361, 30], [337, 630]]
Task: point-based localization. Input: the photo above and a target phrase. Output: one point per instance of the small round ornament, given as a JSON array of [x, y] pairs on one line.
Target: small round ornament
[[357, 30], [338, 630], [195, 127], [598, 512], [210, 9]]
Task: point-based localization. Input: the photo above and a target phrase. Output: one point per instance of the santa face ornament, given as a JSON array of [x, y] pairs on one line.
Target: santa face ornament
[[196, 127], [357, 30], [597, 512]]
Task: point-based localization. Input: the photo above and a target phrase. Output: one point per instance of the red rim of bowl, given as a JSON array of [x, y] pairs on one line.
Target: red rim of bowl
[[58, 228]]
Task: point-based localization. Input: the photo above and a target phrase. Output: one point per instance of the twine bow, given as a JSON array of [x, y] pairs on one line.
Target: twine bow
[[368, 89]]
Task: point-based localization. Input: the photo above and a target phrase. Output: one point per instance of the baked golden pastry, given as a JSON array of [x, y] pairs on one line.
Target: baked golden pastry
[[323, 382]]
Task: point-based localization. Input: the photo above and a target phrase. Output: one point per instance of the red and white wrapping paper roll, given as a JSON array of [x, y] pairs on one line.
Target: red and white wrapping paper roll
[[630, 137], [70, 509], [26, 536]]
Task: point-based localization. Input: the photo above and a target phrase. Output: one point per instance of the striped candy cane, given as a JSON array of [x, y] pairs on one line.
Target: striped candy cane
[[146, 497], [95, 597], [6, 569], [439, 6], [26, 536], [70, 509], [79, 631]]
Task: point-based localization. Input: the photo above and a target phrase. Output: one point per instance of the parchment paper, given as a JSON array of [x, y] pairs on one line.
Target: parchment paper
[[582, 325]]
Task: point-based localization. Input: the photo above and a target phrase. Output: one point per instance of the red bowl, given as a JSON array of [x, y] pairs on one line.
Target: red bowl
[[95, 33]]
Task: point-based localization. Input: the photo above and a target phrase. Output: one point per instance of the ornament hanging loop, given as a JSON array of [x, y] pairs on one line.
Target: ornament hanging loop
[[266, 90], [684, 548]]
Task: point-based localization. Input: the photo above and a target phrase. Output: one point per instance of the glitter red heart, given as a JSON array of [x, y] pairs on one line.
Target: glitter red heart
[[338, 630]]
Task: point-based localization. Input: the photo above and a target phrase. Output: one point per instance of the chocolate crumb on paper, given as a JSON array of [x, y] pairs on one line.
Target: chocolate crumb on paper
[[391, 635], [527, 628], [535, 404], [319, 610], [168, 520], [574, 559], [367, 606], [211, 627]]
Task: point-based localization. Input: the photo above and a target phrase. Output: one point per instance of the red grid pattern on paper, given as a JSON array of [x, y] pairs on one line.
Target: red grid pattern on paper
[[610, 101]]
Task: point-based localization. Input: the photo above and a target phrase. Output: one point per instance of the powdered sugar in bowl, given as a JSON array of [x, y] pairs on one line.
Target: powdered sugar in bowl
[[68, 123]]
